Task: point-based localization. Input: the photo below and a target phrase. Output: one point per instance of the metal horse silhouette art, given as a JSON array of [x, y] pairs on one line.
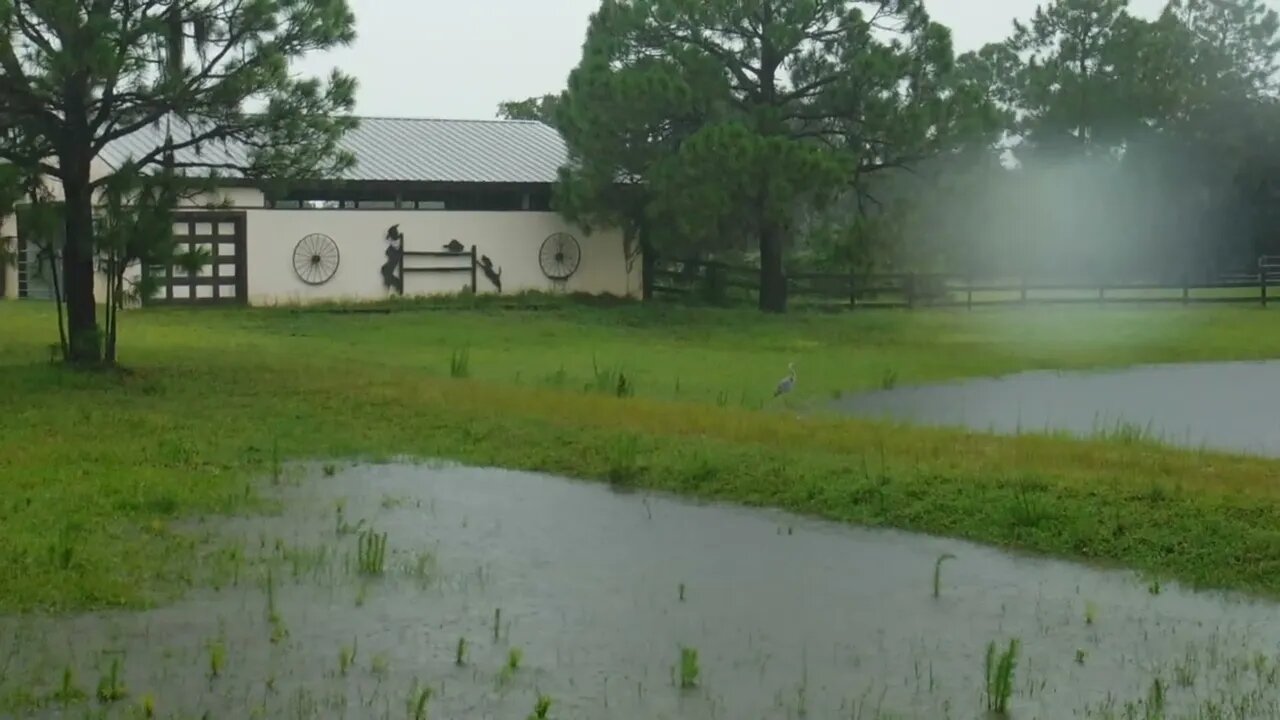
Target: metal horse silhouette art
[[395, 254], [495, 276], [454, 246]]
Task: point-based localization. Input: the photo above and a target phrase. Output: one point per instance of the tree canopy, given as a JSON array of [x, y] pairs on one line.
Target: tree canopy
[[765, 127], [735, 116], [541, 109], [79, 75]]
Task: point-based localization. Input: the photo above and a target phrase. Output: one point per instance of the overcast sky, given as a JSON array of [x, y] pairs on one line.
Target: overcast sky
[[453, 59]]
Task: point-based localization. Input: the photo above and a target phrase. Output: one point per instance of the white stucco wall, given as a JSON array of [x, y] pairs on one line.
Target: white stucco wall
[[233, 197], [510, 239]]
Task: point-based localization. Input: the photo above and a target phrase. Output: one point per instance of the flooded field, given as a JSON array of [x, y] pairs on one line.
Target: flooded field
[[414, 591], [1225, 406]]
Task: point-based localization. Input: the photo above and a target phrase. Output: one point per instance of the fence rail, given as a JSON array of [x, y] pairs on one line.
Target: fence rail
[[718, 283]]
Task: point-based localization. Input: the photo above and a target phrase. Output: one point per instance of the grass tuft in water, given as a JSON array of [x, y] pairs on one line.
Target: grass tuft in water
[[278, 630], [541, 708], [217, 658], [998, 671], [514, 657], [1090, 612], [69, 692], [937, 573], [110, 686], [380, 666], [341, 526], [147, 708], [371, 553], [688, 667], [1156, 699], [1187, 669], [419, 699], [423, 568], [460, 653], [347, 656]]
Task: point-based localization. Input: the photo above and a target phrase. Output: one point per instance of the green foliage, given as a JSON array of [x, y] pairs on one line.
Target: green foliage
[[621, 115], [190, 69], [542, 109], [725, 120], [1073, 82], [1088, 74]]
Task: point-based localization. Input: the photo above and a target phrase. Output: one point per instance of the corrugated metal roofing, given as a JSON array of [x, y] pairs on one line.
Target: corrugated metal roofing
[[407, 149]]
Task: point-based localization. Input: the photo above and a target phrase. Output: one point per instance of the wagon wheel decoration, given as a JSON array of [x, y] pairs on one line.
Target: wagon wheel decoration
[[316, 259], [559, 256]]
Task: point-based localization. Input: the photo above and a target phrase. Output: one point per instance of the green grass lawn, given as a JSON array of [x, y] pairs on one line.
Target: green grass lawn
[[98, 471]]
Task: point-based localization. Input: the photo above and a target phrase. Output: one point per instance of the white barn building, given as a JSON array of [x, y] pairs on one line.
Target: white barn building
[[430, 207]]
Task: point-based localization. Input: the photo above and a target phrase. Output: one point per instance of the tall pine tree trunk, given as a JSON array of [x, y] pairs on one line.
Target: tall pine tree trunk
[[773, 281], [648, 263], [85, 341], [648, 258]]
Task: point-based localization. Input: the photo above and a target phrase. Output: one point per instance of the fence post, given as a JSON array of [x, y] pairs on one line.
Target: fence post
[[968, 303], [475, 288], [853, 290], [1262, 283], [1024, 289], [911, 289], [714, 290], [1186, 287]]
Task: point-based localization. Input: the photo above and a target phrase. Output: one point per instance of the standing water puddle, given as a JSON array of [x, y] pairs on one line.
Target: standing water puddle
[[595, 592], [1227, 406]]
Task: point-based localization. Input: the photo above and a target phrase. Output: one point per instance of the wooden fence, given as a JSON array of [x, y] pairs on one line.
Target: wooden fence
[[714, 282]]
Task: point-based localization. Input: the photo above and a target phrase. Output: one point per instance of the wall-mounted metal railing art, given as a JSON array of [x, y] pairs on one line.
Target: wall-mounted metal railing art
[[466, 261]]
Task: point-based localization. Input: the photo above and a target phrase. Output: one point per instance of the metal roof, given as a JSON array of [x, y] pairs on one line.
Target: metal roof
[[406, 150]]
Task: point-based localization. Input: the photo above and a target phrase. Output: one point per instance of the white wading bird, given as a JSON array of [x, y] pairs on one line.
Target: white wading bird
[[787, 383]]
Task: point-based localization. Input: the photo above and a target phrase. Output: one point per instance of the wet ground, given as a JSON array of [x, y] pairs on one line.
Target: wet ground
[[1225, 406], [500, 587]]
